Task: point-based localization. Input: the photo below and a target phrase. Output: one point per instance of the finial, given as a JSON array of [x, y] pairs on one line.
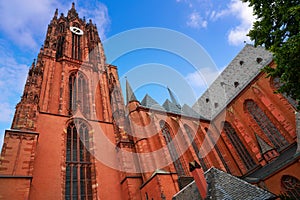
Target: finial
[[33, 64], [56, 13], [73, 5]]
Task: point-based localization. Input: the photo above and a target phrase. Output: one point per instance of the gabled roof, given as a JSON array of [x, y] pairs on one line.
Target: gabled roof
[[188, 111], [222, 185], [149, 102], [286, 157], [235, 77], [170, 107], [263, 146]]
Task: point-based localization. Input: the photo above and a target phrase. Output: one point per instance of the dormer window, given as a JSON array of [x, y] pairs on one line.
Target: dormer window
[[236, 84], [258, 60]]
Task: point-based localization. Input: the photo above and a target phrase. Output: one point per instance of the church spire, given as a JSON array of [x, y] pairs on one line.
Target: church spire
[[173, 99], [129, 93], [72, 12]]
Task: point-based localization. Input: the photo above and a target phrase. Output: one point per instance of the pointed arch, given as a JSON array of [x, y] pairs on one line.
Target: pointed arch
[[78, 177], [265, 124], [76, 46], [210, 136], [291, 186], [191, 137], [78, 93], [172, 148], [238, 145]]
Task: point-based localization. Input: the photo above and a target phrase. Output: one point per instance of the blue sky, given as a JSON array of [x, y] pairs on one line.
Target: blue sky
[[220, 27]]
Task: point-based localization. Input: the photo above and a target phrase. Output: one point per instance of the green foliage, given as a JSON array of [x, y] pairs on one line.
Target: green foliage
[[278, 29]]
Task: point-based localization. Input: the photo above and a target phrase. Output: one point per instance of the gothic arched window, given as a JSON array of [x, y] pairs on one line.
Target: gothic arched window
[[211, 138], [76, 49], [78, 182], [172, 148], [265, 124], [291, 186], [194, 145], [60, 47], [61, 27], [239, 146], [78, 93]]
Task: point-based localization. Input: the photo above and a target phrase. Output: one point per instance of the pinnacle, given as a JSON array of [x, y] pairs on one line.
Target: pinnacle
[[129, 93]]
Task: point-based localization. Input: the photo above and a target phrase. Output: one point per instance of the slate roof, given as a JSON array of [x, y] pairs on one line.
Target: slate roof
[[149, 102], [170, 107], [285, 158], [235, 77], [263, 146], [222, 185]]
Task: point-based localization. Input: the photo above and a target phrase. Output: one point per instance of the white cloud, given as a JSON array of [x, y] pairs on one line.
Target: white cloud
[[12, 79], [25, 22], [99, 15], [244, 14], [202, 78], [196, 21]]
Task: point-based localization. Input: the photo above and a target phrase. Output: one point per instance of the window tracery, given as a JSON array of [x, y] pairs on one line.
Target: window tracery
[[78, 179], [265, 124], [172, 148], [239, 146]]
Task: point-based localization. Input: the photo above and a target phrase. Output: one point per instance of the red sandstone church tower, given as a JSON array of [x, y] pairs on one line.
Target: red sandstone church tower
[[49, 151]]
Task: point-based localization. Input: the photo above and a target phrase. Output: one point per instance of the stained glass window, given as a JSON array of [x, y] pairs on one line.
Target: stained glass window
[[172, 148], [191, 137], [239, 146], [210, 136], [291, 186], [78, 93], [266, 124], [78, 182]]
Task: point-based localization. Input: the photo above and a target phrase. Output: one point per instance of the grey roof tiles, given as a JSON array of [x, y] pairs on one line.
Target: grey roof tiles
[[242, 69]]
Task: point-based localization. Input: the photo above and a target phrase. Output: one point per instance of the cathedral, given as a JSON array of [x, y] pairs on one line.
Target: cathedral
[[73, 135]]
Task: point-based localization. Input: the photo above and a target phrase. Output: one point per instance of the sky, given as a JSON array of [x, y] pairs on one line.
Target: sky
[[218, 27]]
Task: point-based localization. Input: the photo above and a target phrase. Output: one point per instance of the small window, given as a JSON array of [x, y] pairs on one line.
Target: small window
[[207, 100], [222, 84], [241, 62], [216, 105], [236, 84], [258, 60]]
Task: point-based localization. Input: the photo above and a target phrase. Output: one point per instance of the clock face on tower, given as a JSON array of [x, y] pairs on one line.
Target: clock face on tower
[[76, 30]]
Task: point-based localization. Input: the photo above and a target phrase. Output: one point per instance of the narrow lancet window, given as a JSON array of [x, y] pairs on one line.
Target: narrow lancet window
[[265, 124], [78, 180], [239, 146], [172, 148]]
